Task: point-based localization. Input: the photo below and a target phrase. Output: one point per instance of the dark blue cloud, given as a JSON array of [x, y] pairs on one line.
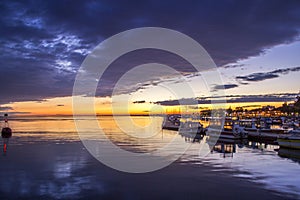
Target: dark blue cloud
[[5, 108], [261, 76], [224, 87], [43, 43], [279, 97], [143, 101]]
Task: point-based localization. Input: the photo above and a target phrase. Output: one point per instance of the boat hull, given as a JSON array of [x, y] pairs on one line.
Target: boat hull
[[265, 136], [291, 143], [225, 135]]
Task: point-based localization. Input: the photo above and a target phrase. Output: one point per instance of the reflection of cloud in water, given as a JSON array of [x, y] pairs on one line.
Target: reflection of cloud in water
[[62, 170], [53, 173], [69, 188], [22, 185], [261, 166]]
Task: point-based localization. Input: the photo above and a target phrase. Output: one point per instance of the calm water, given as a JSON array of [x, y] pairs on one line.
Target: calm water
[[275, 169]]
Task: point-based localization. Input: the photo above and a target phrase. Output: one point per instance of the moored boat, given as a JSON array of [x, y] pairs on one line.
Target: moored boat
[[259, 129], [230, 130], [292, 141], [171, 122], [293, 154], [191, 127]]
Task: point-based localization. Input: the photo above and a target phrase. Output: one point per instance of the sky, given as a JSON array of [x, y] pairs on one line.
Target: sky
[[255, 45]]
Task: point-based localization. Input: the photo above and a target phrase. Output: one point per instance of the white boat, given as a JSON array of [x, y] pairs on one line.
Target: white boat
[[253, 125], [183, 125], [171, 122], [261, 130], [230, 130], [191, 127], [291, 141]]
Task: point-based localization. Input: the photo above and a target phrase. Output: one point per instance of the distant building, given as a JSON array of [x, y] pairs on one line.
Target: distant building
[[268, 108]]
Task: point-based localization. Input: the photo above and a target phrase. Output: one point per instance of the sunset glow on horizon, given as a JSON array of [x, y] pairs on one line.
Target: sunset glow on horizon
[[63, 106]]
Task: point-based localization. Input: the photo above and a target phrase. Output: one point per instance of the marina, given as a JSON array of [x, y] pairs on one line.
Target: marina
[[253, 129]]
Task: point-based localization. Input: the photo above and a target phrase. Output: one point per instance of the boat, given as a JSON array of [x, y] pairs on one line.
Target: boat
[[277, 121], [260, 125], [293, 154], [291, 141], [171, 122], [183, 125], [191, 137], [259, 129], [230, 130], [191, 130], [191, 127]]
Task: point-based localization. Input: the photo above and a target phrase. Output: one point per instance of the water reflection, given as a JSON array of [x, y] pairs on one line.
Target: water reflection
[[293, 154], [48, 172], [133, 138], [5, 139], [192, 137], [259, 161], [53, 171], [255, 161], [226, 150]]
